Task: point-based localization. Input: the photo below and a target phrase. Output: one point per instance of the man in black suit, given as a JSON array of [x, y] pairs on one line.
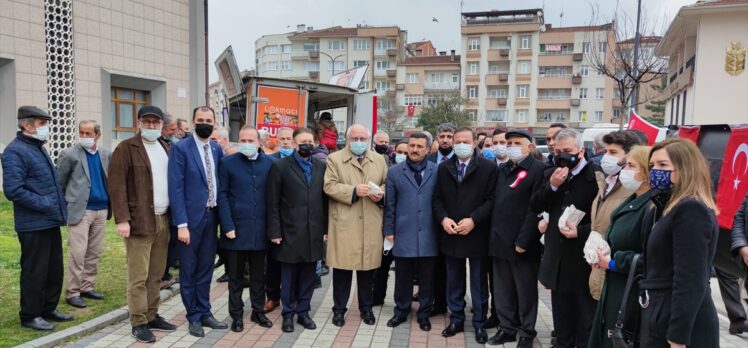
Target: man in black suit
[[563, 269], [462, 204], [515, 242]]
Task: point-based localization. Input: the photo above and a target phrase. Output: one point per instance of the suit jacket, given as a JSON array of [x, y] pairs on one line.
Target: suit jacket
[[740, 228], [297, 211], [471, 198], [130, 185], [563, 268], [407, 211], [188, 185], [513, 222], [433, 157], [75, 179]]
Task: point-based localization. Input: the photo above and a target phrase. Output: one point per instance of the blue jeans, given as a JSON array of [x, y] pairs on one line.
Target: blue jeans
[[456, 289]]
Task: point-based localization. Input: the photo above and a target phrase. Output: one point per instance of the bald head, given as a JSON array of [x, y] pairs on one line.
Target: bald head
[[358, 132]]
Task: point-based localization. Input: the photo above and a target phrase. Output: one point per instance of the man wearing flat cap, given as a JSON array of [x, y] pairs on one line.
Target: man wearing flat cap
[[39, 209], [139, 195]]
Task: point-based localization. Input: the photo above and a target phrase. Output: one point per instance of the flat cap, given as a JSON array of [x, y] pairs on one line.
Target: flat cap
[[150, 110], [518, 133], [28, 111]]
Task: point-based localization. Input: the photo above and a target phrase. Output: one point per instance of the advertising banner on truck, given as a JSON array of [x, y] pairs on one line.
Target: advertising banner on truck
[[285, 107]]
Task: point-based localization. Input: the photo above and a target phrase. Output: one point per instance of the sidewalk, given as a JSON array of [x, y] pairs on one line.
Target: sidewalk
[[353, 334]]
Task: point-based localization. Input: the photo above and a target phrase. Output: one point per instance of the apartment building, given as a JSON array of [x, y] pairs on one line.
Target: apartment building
[[424, 80], [420, 48], [518, 71]]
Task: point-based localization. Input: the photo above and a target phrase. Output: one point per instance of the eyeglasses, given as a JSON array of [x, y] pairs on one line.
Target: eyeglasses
[[359, 139], [150, 123]]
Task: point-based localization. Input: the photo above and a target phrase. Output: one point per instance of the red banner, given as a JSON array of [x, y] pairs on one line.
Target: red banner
[[638, 123], [733, 178], [690, 133], [411, 110]]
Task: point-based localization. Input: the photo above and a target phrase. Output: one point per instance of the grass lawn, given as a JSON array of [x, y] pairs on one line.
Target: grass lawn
[[111, 281]]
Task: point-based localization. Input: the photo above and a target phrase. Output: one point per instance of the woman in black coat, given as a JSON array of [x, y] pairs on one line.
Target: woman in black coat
[[677, 307]]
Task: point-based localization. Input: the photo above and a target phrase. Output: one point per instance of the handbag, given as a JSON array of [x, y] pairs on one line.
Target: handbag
[[618, 335]]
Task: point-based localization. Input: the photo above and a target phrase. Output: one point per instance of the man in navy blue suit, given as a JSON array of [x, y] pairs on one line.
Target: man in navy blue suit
[[193, 196]]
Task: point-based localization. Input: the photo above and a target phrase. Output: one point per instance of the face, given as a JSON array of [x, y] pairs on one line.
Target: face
[[150, 122], [464, 138], [88, 130], [358, 134], [381, 139], [660, 159], [401, 149], [499, 139], [417, 149], [303, 138], [521, 142], [549, 138], [446, 139], [183, 129], [487, 142], [249, 136], [169, 129], [285, 139], [204, 117], [615, 150], [634, 166], [30, 127], [216, 136], [569, 145]]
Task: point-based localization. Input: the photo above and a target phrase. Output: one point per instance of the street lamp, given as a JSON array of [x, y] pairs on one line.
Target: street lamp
[[332, 59]]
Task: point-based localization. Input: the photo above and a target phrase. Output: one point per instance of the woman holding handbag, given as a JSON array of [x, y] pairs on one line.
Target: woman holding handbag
[[677, 307], [625, 237]]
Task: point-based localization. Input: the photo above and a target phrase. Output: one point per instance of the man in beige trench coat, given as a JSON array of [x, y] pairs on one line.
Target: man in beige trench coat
[[355, 222]]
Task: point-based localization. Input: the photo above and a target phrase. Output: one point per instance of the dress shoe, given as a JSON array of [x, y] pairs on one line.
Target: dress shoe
[[160, 324], [424, 324], [260, 319], [196, 329], [481, 336], [167, 283], [396, 320], [452, 330], [437, 311], [368, 317], [211, 322], [492, 322], [143, 334], [219, 263], [525, 342], [224, 278], [306, 322], [738, 327], [237, 325], [502, 337], [338, 319], [76, 301], [56, 315], [92, 295], [38, 323], [287, 324], [271, 305]]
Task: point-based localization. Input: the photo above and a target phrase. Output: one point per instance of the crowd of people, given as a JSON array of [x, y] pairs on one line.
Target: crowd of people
[[625, 247]]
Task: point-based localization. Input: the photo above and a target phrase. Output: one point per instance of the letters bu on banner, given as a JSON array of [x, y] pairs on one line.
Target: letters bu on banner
[[286, 107], [733, 177]]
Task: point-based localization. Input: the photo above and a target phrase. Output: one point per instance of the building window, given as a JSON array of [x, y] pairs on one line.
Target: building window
[[586, 47], [258, 53], [472, 92], [524, 42], [473, 115], [339, 66], [599, 72], [521, 116], [473, 44], [496, 115], [382, 65], [336, 45], [583, 116], [599, 93], [360, 45], [602, 46], [272, 66], [583, 93], [360, 63], [523, 91], [598, 116], [125, 106], [385, 44], [436, 78], [412, 78], [286, 65], [383, 85], [271, 49], [455, 78], [496, 93], [473, 68], [584, 70], [311, 66], [416, 100], [311, 47], [286, 49], [523, 67]]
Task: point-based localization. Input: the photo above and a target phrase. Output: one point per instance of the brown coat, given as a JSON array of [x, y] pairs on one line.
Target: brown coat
[[354, 239], [131, 186], [602, 208]]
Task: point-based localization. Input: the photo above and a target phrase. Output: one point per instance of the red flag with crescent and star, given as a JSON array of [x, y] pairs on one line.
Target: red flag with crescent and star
[[733, 177], [411, 110]]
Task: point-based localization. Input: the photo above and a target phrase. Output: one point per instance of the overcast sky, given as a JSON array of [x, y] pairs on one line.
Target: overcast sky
[[240, 22]]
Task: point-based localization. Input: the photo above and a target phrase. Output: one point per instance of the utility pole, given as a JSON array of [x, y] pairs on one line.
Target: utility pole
[[635, 68], [207, 82]]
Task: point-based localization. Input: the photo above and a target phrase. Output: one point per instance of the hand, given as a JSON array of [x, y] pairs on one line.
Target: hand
[[676, 345], [324, 237], [183, 234], [603, 260], [231, 234], [570, 231], [362, 190], [559, 176], [449, 226], [376, 198], [465, 226], [276, 241], [519, 250], [123, 229], [542, 225], [391, 238]]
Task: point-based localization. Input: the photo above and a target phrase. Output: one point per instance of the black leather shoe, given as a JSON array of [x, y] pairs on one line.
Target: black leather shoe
[[219, 263], [368, 317], [287, 324], [424, 324], [196, 329], [525, 342], [76, 301], [502, 337], [481, 336], [143, 334], [224, 278], [452, 330], [492, 322], [237, 325], [306, 322], [160, 324], [738, 327], [396, 320], [56, 315], [437, 311], [338, 319], [214, 324], [92, 295], [260, 319], [38, 323]]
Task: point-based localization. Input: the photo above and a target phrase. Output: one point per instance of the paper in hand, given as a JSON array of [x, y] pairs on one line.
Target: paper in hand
[[572, 216], [374, 189], [594, 243]]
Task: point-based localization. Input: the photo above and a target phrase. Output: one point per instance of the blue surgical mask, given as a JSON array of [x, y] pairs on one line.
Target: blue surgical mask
[[463, 150], [285, 152], [659, 179], [488, 154], [514, 153], [42, 133], [249, 150], [150, 134], [400, 157], [358, 147]]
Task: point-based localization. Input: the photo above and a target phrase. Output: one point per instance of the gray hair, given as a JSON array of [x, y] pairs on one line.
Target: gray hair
[[284, 129], [570, 133], [97, 126], [598, 141], [168, 118], [380, 133], [23, 121], [263, 134], [222, 132], [348, 131], [446, 128]]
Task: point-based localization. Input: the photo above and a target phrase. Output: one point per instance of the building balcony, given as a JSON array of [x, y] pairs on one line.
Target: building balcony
[[390, 94], [555, 60], [400, 87], [574, 102], [524, 53], [313, 74], [380, 73], [313, 55], [380, 52], [578, 57], [472, 54], [441, 86], [553, 103], [300, 55], [392, 52], [391, 73], [472, 78], [554, 82], [493, 79], [496, 54], [501, 100], [576, 80]]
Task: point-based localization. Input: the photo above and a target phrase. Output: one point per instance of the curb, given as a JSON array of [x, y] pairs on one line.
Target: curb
[[92, 325]]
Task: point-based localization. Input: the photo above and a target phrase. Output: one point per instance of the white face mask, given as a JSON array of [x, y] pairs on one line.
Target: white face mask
[[400, 157], [42, 133], [87, 143], [463, 150], [514, 153], [628, 180], [500, 151], [610, 165]]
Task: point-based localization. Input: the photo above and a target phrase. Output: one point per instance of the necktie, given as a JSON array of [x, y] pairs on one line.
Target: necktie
[[444, 158], [209, 170], [418, 177], [360, 159], [462, 172]]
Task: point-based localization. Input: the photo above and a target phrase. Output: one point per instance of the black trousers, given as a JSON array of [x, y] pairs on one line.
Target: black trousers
[[41, 272], [728, 271], [407, 267], [456, 287], [341, 289], [297, 287], [381, 276], [516, 299], [172, 255], [273, 278], [235, 263], [440, 283], [491, 300], [572, 317]]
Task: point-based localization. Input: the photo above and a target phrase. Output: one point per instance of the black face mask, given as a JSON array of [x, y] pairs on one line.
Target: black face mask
[[567, 160], [203, 130], [305, 150], [445, 151], [381, 149]]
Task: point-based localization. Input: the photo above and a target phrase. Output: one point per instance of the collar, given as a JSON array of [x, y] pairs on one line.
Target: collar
[[448, 156], [580, 166], [500, 162], [29, 139], [198, 140], [465, 161]]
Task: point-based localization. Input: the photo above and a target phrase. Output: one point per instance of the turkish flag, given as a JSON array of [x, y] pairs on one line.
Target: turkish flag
[[411, 110], [733, 177], [690, 133], [638, 123]]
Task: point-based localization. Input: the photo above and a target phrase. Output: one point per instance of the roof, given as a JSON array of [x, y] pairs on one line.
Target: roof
[[644, 40], [603, 27], [329, 32], [432, 60], [496, 13], [681, 23], [707, 3]]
